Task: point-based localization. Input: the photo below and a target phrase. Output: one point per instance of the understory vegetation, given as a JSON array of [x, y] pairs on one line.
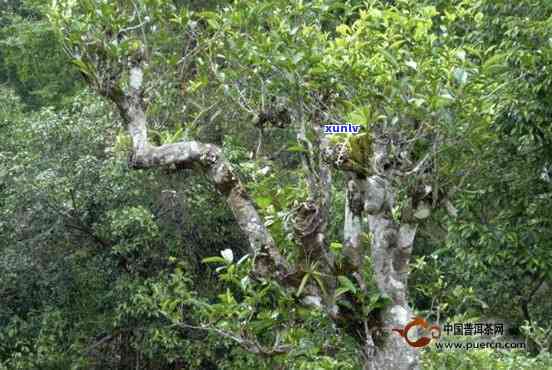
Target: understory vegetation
[[169, 199]]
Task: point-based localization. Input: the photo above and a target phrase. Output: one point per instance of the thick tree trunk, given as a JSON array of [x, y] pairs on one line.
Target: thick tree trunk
[[390, 251], [391, 245]]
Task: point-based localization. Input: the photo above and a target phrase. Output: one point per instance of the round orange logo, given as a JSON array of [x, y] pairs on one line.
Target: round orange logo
[[423, 341]]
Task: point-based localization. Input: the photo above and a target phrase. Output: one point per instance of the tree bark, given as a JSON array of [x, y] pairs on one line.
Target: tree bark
[[207, 158], [391, 248], [353, 225]]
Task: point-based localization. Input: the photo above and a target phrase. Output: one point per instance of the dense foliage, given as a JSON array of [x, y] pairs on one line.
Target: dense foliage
[[106, 267]]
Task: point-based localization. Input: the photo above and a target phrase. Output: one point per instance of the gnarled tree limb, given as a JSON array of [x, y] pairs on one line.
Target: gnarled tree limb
[[206, 157]]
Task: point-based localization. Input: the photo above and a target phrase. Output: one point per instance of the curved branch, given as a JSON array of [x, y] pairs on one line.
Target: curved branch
[[249, 345], [209, 159]]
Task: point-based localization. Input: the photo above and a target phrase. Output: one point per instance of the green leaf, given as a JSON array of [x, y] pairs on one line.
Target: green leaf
[[340, 291], [83, 66], [243, 259], [336, 247], [298, 148], [494, 62], [297, 58], [302, 285], [213, 23], [390, 58], [346, 283], [263, 202], [320, 283], [377, 301], [215, 259]]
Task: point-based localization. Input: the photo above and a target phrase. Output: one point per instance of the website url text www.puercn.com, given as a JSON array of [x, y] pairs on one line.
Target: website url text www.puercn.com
[[447, 346]]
